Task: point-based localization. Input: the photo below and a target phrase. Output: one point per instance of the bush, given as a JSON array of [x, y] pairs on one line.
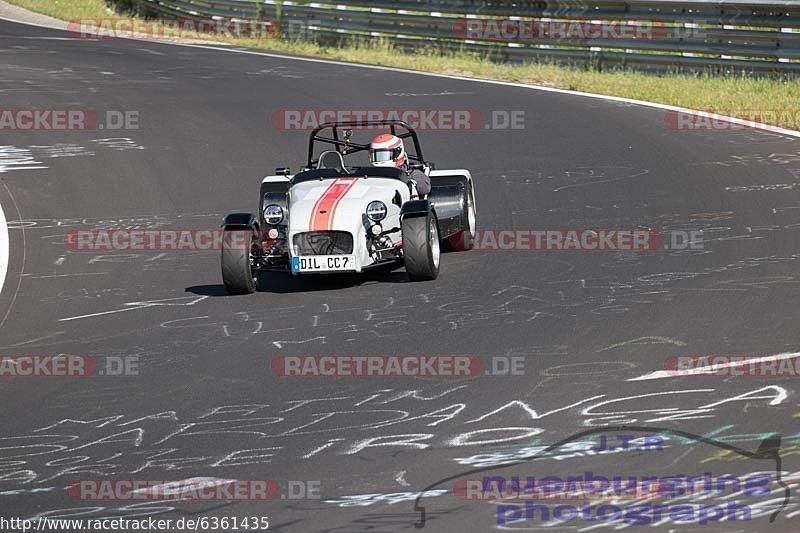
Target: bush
[[133, 7]]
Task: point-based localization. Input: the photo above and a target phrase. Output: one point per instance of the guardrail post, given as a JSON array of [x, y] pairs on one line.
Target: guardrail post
[[259, 10], [279, 17]]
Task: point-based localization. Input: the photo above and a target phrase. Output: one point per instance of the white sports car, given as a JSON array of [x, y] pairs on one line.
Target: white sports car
[[331, 218]]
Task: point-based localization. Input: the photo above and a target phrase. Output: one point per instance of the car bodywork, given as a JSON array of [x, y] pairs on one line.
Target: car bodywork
[[331, 218]]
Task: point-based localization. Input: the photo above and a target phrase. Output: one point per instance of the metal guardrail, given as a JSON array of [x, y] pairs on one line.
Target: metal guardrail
[[735, 35]]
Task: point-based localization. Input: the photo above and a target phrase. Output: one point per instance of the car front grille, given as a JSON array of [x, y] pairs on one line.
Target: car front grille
[[323, 243]]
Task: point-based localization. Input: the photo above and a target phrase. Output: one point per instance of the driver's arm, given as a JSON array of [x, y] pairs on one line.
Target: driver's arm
[[422, 180]]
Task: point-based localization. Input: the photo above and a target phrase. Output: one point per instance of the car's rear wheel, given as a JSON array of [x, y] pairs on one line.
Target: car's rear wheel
[[238, 274], [464, 239], [421, 247]]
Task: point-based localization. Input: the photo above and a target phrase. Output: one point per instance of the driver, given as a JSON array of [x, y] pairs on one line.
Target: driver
[[387, 150]]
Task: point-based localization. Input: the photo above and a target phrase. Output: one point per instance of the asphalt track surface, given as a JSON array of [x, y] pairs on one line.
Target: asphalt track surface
[[205, 402]]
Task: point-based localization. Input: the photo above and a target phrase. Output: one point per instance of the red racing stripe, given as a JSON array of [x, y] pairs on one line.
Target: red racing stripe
[[315, 209], [322, 217], [339, 199]]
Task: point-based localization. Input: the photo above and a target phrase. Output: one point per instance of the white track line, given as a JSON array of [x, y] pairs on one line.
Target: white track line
[[665, 107], [4, 248], [711, 369]]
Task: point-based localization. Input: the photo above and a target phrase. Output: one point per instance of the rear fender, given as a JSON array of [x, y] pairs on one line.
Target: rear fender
[[451, 177], [449, 202], [447, 195]]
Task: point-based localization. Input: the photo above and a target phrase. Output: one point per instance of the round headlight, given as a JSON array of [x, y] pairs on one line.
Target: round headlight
[[376, 211], [273, 214]]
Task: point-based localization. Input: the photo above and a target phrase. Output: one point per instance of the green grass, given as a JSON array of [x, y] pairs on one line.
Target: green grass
[[67, 9], [723, 94]]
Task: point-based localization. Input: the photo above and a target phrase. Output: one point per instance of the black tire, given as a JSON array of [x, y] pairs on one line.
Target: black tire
[[421, 248], [237, 273], [464, 239]]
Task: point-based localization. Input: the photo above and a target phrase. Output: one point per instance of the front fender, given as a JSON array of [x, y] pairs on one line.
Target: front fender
[[240, 221], [416, 208]]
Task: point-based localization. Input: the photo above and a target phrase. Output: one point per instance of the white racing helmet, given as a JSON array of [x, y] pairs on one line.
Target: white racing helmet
[[387, 150]]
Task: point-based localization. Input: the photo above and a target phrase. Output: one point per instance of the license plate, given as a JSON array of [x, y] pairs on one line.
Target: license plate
[[323, 263]]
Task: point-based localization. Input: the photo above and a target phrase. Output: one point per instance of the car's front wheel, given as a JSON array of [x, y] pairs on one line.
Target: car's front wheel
[[238, 275], [421, 247]]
